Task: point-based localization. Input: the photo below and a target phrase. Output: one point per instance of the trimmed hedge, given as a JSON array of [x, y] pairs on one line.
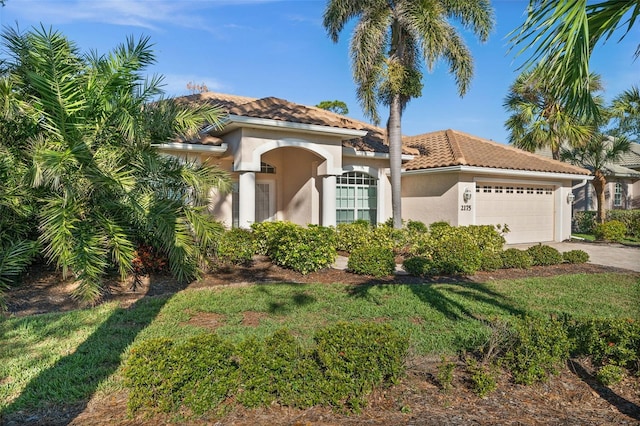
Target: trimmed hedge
[[575, 256], [346, 362], [375, 260], [515, 258], [235, 247], [543, 255], [613, 230]]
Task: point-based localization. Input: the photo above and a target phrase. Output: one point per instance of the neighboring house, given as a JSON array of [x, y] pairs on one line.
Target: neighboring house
[[623, 185], [310, 166]]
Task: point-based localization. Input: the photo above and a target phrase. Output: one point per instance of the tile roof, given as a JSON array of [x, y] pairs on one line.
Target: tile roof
[[631, 158], [447, 148], [431, 150]]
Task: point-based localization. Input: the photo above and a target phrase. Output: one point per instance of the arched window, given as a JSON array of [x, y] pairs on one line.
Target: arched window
[[356, 198], [267, 168]]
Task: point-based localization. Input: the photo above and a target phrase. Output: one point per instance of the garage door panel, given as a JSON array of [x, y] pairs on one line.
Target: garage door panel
[[527, 210]]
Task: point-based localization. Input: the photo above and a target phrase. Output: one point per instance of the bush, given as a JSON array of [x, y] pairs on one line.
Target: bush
[[235, 247], [374, 260], [543, 255], [610, 374], [614, 230], [608, 341], [356, 357], [350, 236], [394, 239], [486, 237], [198, 374], [437, 228], [490, 261], [584, 222], [538, 348], [417, 266], [575, 256], [291, 246], [483, 382], [515, 258], [630, 218], [454, 251]]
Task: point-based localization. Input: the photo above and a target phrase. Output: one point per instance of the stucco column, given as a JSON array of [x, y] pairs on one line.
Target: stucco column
[[247, 199], [329, 200]]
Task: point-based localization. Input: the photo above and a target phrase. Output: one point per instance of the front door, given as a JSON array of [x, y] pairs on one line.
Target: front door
[[265, 201]]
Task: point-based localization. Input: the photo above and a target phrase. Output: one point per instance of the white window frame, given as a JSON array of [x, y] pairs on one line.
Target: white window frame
[[356, 186]]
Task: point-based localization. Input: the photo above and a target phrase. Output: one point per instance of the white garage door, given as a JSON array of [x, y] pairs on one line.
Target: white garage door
[[527, 209]]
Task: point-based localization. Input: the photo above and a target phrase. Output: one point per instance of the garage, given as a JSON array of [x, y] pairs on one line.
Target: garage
[[527, 209]]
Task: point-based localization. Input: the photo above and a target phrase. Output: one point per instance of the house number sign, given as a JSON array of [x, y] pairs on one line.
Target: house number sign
[[465, 207]]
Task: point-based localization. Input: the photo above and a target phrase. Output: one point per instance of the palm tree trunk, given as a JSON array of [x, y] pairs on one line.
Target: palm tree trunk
[[394, 133], [599, 182]]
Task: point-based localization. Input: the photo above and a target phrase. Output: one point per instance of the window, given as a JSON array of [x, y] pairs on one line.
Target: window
[[267, 168], [486, 189], [539, 191], [548, 191], [356, 198], [498, 190], [509, 189], [617, 195], [520, 190], [529, 190]]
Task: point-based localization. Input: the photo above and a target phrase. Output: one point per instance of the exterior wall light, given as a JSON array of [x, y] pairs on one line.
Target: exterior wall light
[[570, 198], [466, 195]]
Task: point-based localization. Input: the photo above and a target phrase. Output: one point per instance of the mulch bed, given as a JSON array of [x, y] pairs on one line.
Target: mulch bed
[[571, 398]]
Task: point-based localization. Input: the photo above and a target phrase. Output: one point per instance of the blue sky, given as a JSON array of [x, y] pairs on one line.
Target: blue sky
[[264, 48]]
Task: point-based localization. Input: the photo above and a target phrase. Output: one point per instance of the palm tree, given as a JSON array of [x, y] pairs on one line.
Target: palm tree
[[562, 35], [102, 188], [539, 118], [626, 111], [598, 153], [388, 45]]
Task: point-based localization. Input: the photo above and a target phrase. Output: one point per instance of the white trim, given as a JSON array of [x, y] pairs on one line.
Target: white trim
[[271, 183], [517, 181], [256, 122], [490, 171], [371, 171], [254, 164], [352, 152], [185, 146]]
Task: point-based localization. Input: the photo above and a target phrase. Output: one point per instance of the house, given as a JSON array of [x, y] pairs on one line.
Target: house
[[622, 190], [310, 166]]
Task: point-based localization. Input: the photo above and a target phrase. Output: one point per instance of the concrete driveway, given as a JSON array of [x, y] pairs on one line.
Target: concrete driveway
[[608, 254]]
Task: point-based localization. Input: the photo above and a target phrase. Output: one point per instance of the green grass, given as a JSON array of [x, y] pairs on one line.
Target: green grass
[[630, 241], [65, 358]]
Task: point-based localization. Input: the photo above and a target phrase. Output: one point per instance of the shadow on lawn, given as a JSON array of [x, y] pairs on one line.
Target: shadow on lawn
[[438, 294], [68, 385]]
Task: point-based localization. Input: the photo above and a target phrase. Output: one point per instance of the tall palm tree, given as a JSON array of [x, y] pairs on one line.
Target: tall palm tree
[[539, 118], [598, 153], [625, 109], [102, 188], [389, 43], [561, 35]]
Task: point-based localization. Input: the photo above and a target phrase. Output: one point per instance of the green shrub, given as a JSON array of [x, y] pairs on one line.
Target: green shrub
[[417, 226], [490, 261], [147, 374], [454, 251], [630, 218], [277, 369], [437, 228], [543, 255], [483, 381], [350, 236], [418, 266], [198, 374], [394, 239], [608, 341], [445, 374], [575, 256], [356, 357], [538, 348], [486, 237], [267, 235], [584, 222], [291, 246], [515, 258], [610, 374], [235, 247], [614, 230], [373, 259]]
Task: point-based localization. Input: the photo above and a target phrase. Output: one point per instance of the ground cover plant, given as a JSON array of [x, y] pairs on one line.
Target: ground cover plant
[[52, 358]]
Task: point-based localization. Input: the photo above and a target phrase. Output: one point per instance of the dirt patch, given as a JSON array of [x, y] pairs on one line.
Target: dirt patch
[[571, 398], [252, 319]]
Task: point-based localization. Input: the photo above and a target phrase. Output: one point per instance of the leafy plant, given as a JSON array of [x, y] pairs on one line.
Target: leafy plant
[[575, 256], [445, 374], [418, 266], [483, 381], [610, 374], [543, 255], [235, 247], [516, 258], [613, 230], [350, 236], [373, 259]]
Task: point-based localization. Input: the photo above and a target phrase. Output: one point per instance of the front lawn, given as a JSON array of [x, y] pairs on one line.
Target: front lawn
[[64, 358]]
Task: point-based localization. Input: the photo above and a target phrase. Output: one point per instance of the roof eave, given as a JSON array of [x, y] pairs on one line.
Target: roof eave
[[238, 121], [504, 172], [352, 152], [191, 147]]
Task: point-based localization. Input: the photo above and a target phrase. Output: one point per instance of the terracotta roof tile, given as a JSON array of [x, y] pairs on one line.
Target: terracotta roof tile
[[453, 148]]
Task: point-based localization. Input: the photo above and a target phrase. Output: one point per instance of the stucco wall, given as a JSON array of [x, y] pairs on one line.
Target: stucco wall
[[430, 197]]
